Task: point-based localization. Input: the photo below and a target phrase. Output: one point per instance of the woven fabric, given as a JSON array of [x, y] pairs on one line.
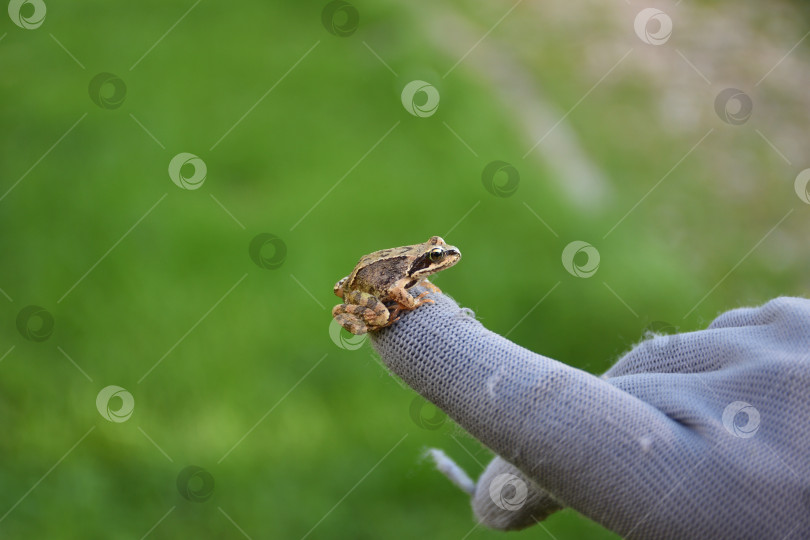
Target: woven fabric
[[696, 435]]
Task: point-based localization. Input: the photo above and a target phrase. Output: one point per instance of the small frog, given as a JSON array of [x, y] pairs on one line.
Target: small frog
[[377, 289]]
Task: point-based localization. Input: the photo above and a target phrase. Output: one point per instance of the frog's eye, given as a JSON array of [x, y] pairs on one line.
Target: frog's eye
[[436, 254]]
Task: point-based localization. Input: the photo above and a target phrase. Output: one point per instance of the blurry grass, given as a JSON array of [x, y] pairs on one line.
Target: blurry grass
[[271, 169]]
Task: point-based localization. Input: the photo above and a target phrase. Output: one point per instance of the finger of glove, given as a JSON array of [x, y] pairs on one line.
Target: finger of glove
[[749, 355], [507, 500], [581, 439], [734, 338]]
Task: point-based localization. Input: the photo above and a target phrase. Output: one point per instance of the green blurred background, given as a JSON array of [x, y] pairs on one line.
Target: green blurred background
[[305, 137]]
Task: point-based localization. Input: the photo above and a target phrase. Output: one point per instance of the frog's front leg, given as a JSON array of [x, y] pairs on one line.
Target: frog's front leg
[[361, 313], [428, 285], [406, 301]]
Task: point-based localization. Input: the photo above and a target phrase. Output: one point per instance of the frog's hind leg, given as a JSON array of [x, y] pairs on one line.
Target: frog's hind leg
[[361, 309], [371, 316], [339, 287], [372, 310], [393, 310], [352, 323]]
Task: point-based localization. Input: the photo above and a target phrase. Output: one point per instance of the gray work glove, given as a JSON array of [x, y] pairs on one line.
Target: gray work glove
[[698, 435]]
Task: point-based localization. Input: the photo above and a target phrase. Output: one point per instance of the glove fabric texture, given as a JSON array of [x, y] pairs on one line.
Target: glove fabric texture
[[701, 434]]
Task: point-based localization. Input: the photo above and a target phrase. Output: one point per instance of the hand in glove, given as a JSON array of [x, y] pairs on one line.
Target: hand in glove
[[702, 434]]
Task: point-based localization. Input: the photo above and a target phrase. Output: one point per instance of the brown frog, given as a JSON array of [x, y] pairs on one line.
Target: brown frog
[[377, 289]]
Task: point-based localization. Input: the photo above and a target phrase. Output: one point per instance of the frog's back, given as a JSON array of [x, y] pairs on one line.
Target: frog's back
[[380, 276], [364, 262], [383, 254], [378, 257]]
